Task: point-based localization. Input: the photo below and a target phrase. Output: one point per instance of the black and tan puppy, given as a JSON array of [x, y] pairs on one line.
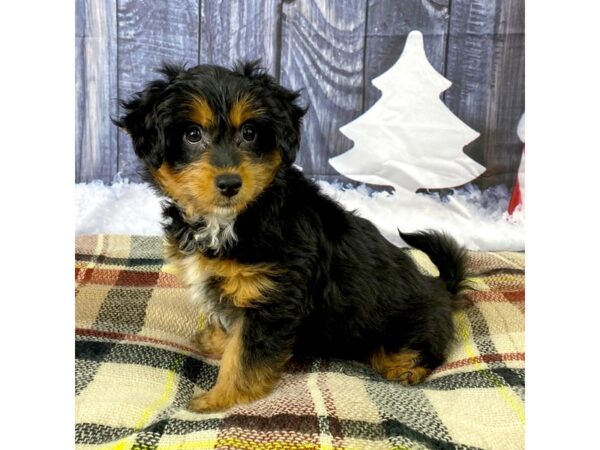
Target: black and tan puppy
[[279, 268]]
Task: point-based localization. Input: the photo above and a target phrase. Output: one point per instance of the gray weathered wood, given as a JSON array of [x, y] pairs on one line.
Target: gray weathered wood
[[388, 25], [151, 32], [503, 149], [96, 89], [333, 49], [486, 65], [232, 30], [322, 51]]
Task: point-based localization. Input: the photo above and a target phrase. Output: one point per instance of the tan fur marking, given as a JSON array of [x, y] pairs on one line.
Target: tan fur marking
[[242, 110], [193, 187], [256, 177], [236, 383], [401, 366], [246, 291], [201, 113], [244, 284], [211, 340]]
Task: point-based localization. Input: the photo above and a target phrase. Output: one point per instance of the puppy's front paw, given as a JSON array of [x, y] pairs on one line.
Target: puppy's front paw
[[208, 402]]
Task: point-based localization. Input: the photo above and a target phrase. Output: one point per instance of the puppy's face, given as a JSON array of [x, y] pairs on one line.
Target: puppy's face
[[213, 139]]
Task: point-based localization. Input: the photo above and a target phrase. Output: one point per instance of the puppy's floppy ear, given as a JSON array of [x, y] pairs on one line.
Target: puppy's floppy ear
[[288, 135], [284, 102], [143, 121]]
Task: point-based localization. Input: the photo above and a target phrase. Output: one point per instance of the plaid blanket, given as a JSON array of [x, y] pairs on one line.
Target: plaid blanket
[[136, 369]]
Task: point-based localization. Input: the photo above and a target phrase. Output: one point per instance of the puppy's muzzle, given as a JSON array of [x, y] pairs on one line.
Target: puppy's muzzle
[[228, 184]]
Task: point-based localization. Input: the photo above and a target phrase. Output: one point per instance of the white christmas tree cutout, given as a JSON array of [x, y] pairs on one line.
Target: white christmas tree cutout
[[409, 139]]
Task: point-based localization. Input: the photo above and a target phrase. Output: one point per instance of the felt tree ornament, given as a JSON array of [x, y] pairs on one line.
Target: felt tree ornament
[[409, 139]]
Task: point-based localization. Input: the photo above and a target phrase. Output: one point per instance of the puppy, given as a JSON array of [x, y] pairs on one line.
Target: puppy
[[280, 269]]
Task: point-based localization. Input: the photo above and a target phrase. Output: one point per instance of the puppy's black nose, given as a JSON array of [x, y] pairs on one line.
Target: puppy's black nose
[[229, 184]]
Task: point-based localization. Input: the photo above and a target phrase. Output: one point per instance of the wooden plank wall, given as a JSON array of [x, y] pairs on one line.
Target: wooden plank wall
[[151, 32], [96, 90], [331, 49]]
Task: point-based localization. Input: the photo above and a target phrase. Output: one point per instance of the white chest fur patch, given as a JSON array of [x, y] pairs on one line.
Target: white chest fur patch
[[217, 234]]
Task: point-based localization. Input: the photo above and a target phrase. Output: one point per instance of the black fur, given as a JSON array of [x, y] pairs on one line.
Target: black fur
[[343, 290], [346, 289], [444, 252]]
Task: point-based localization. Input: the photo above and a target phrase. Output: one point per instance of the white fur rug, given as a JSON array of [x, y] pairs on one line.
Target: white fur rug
[[476, 219]]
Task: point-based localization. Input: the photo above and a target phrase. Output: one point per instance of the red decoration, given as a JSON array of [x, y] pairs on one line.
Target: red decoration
[[517, 198]]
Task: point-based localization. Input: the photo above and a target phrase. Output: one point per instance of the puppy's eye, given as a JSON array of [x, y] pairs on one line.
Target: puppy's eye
[[193, 134], [248, 132]]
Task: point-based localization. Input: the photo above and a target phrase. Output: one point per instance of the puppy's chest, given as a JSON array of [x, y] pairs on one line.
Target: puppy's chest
[[216, 235], [223, 285]]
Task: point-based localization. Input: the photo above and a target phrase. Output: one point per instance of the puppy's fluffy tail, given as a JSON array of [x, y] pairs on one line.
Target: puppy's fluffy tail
[[449, 257]]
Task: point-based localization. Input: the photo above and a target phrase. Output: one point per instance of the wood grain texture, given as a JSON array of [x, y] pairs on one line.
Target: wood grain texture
[[486, 65], [150, 33], [503, 149], [388, 25], [96, 90], [240, 30], [322, 51], [332, 48]]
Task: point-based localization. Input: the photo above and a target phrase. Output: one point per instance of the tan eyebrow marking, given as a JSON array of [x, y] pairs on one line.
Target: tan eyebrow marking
[[201, 112], [242, 110]]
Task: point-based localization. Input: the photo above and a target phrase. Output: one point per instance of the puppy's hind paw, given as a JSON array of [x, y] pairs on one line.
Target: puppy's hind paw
[[402, 366], [411, 376]]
